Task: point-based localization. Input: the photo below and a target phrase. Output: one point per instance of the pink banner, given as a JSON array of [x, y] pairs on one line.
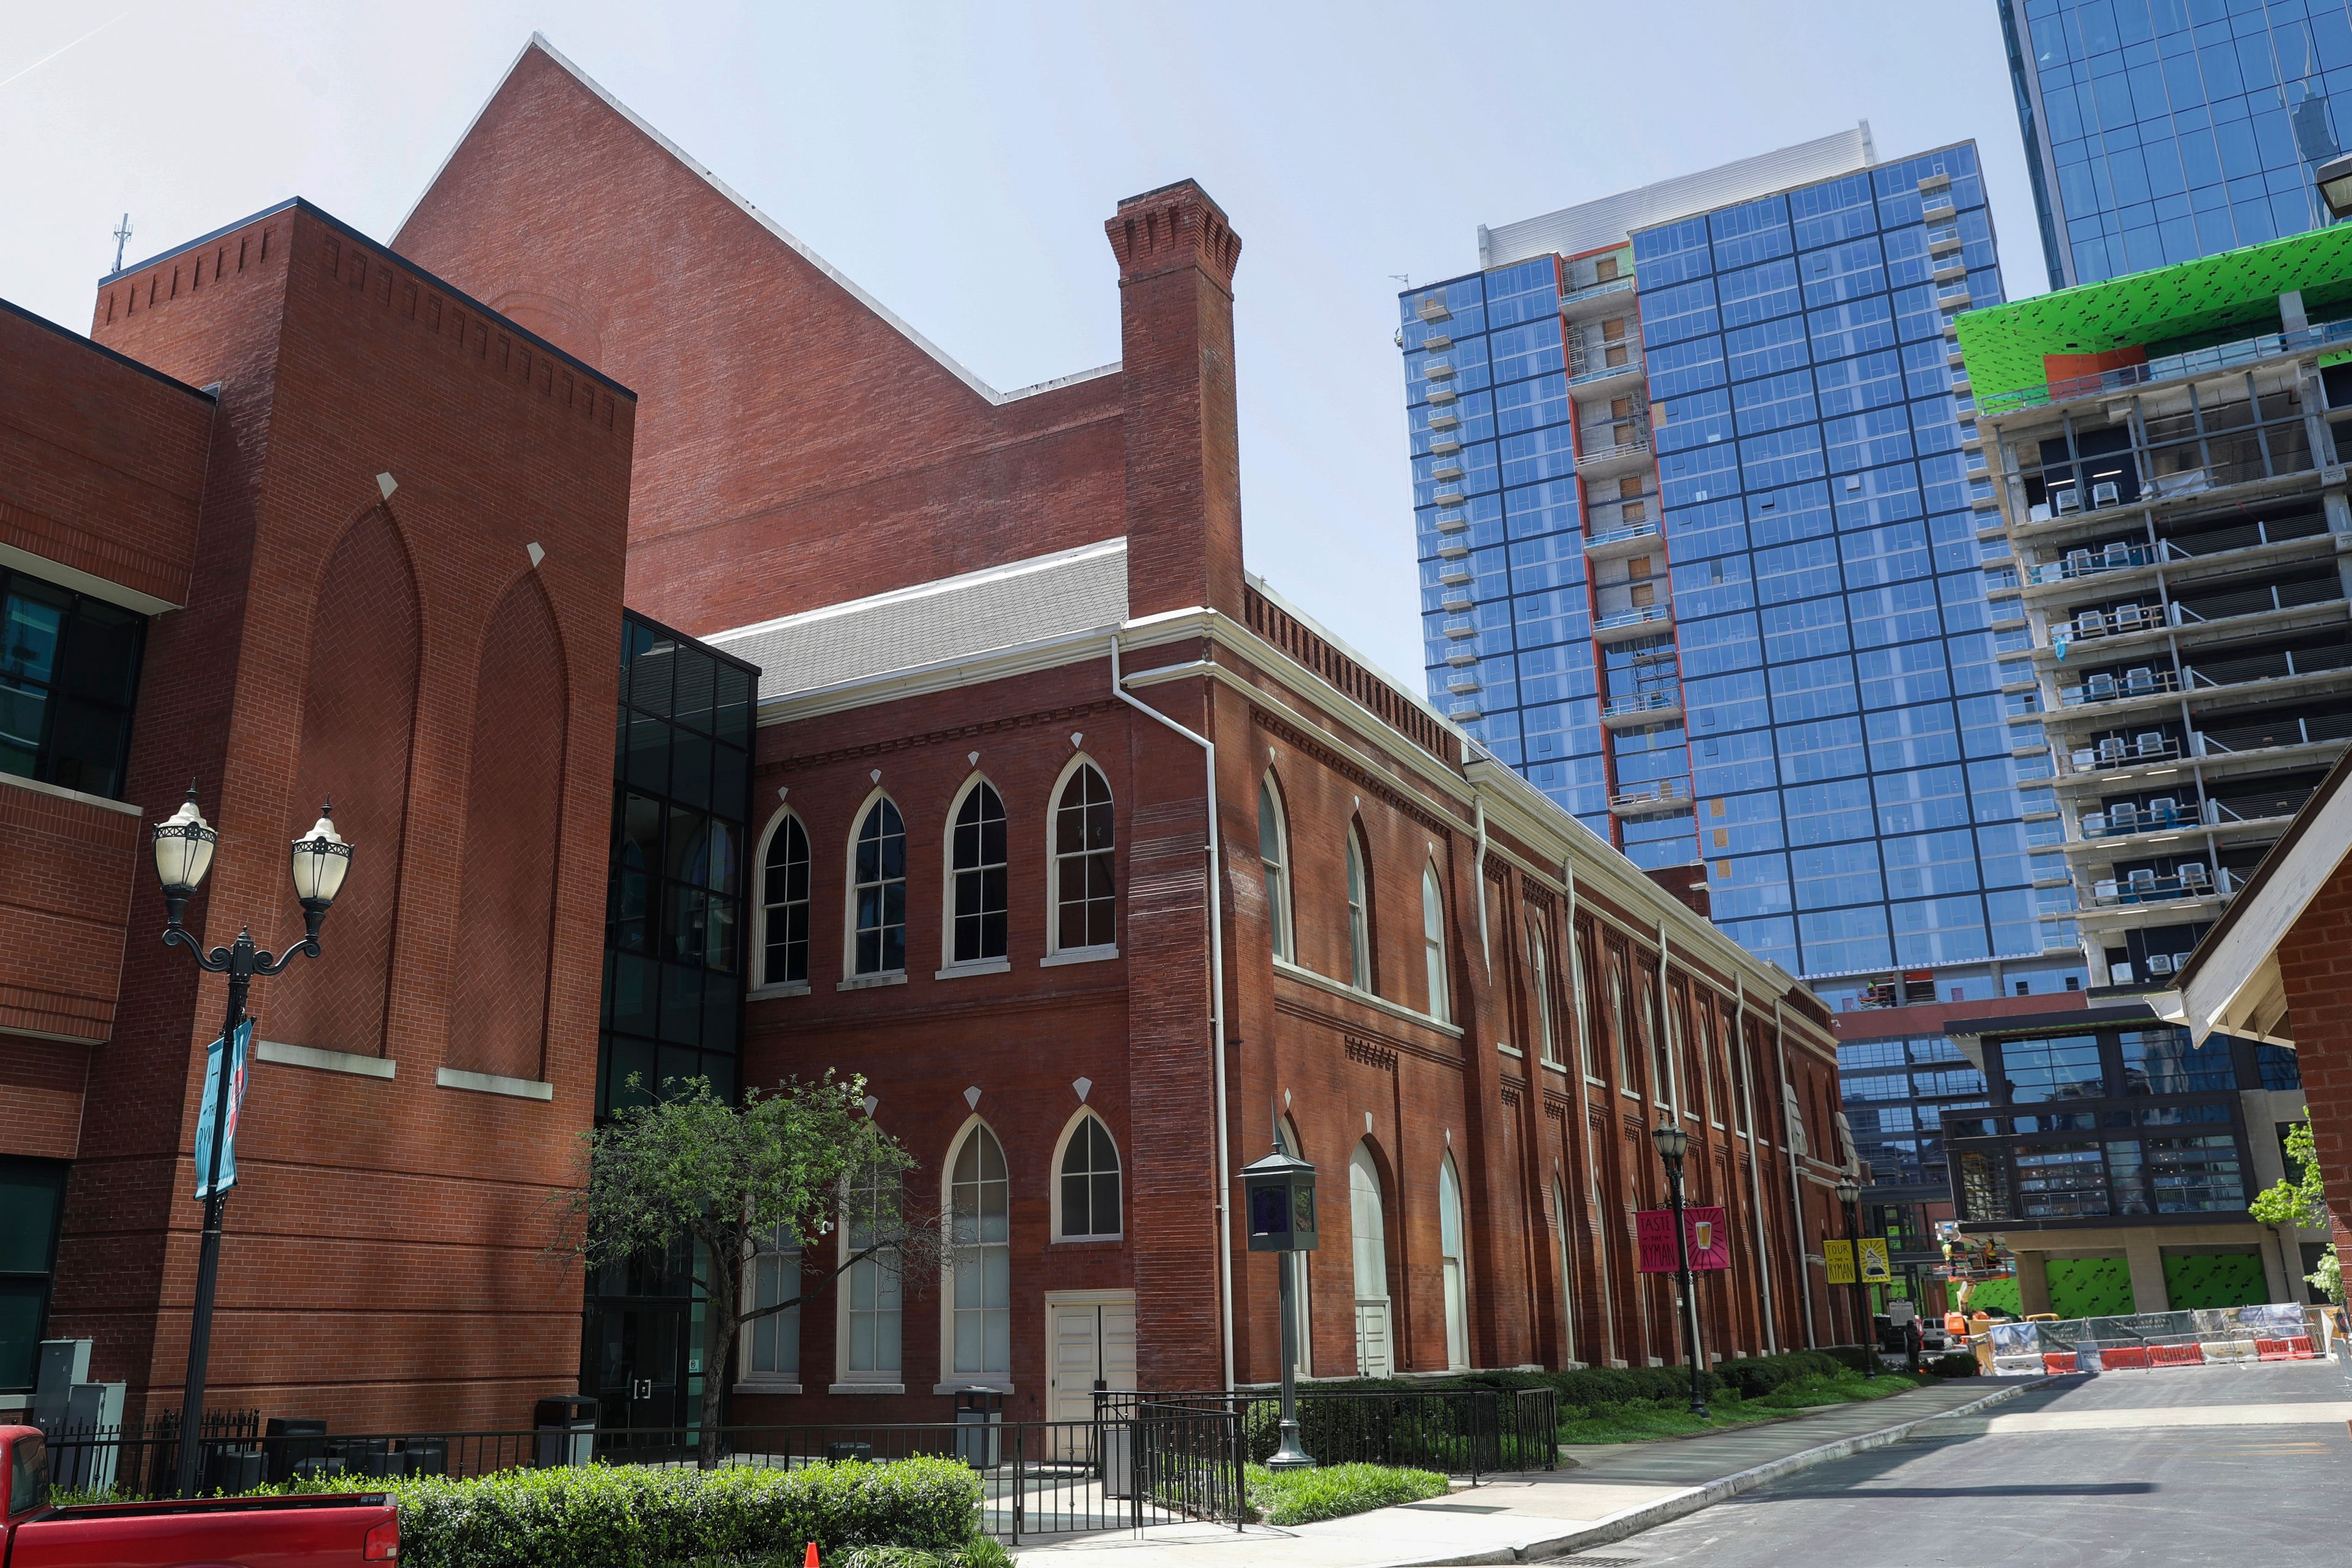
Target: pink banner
[[1710, 1239]]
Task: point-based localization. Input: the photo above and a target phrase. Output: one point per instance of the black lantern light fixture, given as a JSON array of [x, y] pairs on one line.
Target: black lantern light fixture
[[183, 846], [1278, 1196], [1672, 1144], [2334, 179], [1849, 1197]]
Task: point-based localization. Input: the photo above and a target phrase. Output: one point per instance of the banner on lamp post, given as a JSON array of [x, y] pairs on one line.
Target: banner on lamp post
[[1710, 1239], [1875, 1265], [1839, 1257], [213, 1057]]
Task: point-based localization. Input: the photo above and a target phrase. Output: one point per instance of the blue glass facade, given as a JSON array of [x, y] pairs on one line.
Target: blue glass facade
[[1701, 557], [2159, 130]]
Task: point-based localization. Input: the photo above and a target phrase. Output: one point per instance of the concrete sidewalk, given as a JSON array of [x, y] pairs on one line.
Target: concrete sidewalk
[[1613, 1492]]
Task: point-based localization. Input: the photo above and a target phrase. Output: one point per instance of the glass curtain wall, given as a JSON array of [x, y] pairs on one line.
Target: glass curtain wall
[[2161, 130], [675, 939]]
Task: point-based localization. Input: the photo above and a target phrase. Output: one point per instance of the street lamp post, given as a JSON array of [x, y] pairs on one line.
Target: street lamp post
[[2334, 179], [183, 853], [1850, 1195], [1278, 1193], [1673, 1144]]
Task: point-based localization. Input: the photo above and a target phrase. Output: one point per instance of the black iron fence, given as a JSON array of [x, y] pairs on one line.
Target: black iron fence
[[1152, 1463], [1454, 1431]]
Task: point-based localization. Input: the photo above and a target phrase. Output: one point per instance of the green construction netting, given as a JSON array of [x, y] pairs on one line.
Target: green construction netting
[[2210, 300], [1997, 1296], [2090, 1287], [2215, 1280]]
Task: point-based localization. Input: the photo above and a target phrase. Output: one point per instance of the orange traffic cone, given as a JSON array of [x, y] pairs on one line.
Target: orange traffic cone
[[810, 1560]]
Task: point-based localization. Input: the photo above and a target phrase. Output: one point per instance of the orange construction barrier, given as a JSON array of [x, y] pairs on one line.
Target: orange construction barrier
[[2176, 1355], [2294, 1348], [2055, 1362], [2122, 1358]]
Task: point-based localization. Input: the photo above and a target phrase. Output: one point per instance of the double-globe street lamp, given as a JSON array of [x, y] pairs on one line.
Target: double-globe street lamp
[[1849, 1196], [183, 853], [1673, 1144]]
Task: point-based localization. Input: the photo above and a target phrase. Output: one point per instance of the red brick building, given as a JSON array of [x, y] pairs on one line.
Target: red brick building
[[1094, 854]]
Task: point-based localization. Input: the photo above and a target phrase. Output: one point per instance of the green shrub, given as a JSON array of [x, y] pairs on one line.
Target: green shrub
[[1334, 1492], [640, 1516], [1951, 1363]]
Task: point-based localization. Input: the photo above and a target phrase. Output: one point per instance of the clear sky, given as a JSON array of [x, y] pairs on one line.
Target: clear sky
[[959, 161]]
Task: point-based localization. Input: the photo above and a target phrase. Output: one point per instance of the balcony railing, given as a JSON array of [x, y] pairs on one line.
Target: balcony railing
[[1625, 618], [2085, 564], [2161, 816], [1643, 702], [1652, 799], [2146, 888], [2210, 672], [1637, 447], [1595, 292], [2119, 688], [2237, 740], [2189, 611], [1582, 372], [1632, 533], [2198, 362]]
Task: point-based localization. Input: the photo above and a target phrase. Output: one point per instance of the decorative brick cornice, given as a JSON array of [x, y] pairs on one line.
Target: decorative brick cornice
[[1371, 1056], [1298, 739], [1055, 716], [1175, 225]]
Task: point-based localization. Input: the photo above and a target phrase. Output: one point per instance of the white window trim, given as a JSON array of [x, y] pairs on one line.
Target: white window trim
[[1282, 922], [1437, 975], [948, 967], [1450, 1176], [1360, 911], [947, 1262], [758, 967], [746, 1380], [844, 1381], [1054, 951], [851, 980], [1054, 1180]]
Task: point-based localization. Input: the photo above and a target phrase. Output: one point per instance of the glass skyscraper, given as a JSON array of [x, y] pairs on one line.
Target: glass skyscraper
[[1705, 553], [2160, 131]]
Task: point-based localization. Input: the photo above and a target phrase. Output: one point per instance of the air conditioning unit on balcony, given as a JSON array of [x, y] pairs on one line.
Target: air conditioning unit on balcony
[[2159, 964], [2149, 743], [2124, 818], [2105, 494], [2192, 875], [2117, 973], [2110, 750], [2095, 823], [2128, 618], [2067, 501], [2038, 513]]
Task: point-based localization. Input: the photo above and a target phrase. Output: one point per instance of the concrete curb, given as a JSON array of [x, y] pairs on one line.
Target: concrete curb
[[1633, 1521]]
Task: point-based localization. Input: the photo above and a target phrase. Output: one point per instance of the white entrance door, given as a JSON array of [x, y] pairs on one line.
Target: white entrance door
[[1089, 1344]]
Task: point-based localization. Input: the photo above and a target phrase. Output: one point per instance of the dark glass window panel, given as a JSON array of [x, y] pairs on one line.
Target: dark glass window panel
[[688, 857], [24, 1304], [2163, 1061], [32, 625], [630, 1059], [731, 779], [86, 748], [718, 933], [31, 1193], [677, 1064], [689, 766], [786, 895], [980, 890], [683, 920], [722, 999], [693, 688], [651, 673], [649, 753], [731, 717], [24, 720], [881, 903], [633, 1004], [1090, 1176], [681, 1004], [726, 874], [1084, 880], [720, 1070], [101, 660]]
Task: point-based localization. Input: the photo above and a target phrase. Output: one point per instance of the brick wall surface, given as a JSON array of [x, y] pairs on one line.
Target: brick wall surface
[[2315, 966], [383, 1256], [795, 448]]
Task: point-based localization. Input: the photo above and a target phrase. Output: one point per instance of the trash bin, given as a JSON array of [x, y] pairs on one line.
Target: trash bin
[[982, 1410], [234, 1471], [566, 1424], [425, 1455], [850, 1451], [291, 1441], [1118, 1457]]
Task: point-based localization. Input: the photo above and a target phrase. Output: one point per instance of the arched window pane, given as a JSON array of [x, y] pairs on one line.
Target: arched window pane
[[774, 1342], [977, 882], [1085, 904], [1369, 1229], [980, 1228], [879, 888], [1272, 856], [870, 1294], [784, 905], [1359, 932], [1540, 972], [1090, 1193], [1433, 941], [1449, 1233]]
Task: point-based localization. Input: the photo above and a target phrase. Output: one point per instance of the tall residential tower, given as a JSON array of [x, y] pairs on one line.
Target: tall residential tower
[[1704, 546]]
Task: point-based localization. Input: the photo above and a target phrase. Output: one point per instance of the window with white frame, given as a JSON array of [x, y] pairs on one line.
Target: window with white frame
[[979, 1196], [1090, 1194], [1085, 899], [1540, 972], [878, 892], [1433, 943], [784, 905], [870, 1297], [772, 1344], [1359, 914], [1272, 854], [976, 876], [1456, 1270]]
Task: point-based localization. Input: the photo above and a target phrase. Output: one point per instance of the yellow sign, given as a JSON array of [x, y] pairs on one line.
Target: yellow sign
[[1875, 1271], [1839, 1255]]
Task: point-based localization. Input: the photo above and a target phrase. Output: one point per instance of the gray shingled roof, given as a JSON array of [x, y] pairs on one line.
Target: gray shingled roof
[[954, 618]]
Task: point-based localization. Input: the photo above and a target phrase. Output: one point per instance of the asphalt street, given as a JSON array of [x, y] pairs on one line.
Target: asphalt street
[[2232, 1467]]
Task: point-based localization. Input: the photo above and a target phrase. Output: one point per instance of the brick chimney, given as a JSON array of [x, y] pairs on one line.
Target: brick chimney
[[1176, 254]]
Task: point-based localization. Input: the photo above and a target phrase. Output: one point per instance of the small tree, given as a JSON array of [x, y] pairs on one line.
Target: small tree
[[2301, 1199], [785, 1169]]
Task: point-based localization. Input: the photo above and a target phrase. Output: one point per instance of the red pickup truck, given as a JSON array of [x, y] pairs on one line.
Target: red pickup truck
[[219, 1532]]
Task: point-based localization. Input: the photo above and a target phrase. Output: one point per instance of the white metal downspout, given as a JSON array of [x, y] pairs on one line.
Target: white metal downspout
[[1755, 1169], [1216, 1009], [1796, 1189], [1584, 1124], [1478, 875], [1667, 1034]]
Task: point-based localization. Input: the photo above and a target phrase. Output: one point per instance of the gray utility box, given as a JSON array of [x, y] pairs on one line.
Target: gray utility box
[[979, 1428], [1118, 1457], [567, 1430]]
